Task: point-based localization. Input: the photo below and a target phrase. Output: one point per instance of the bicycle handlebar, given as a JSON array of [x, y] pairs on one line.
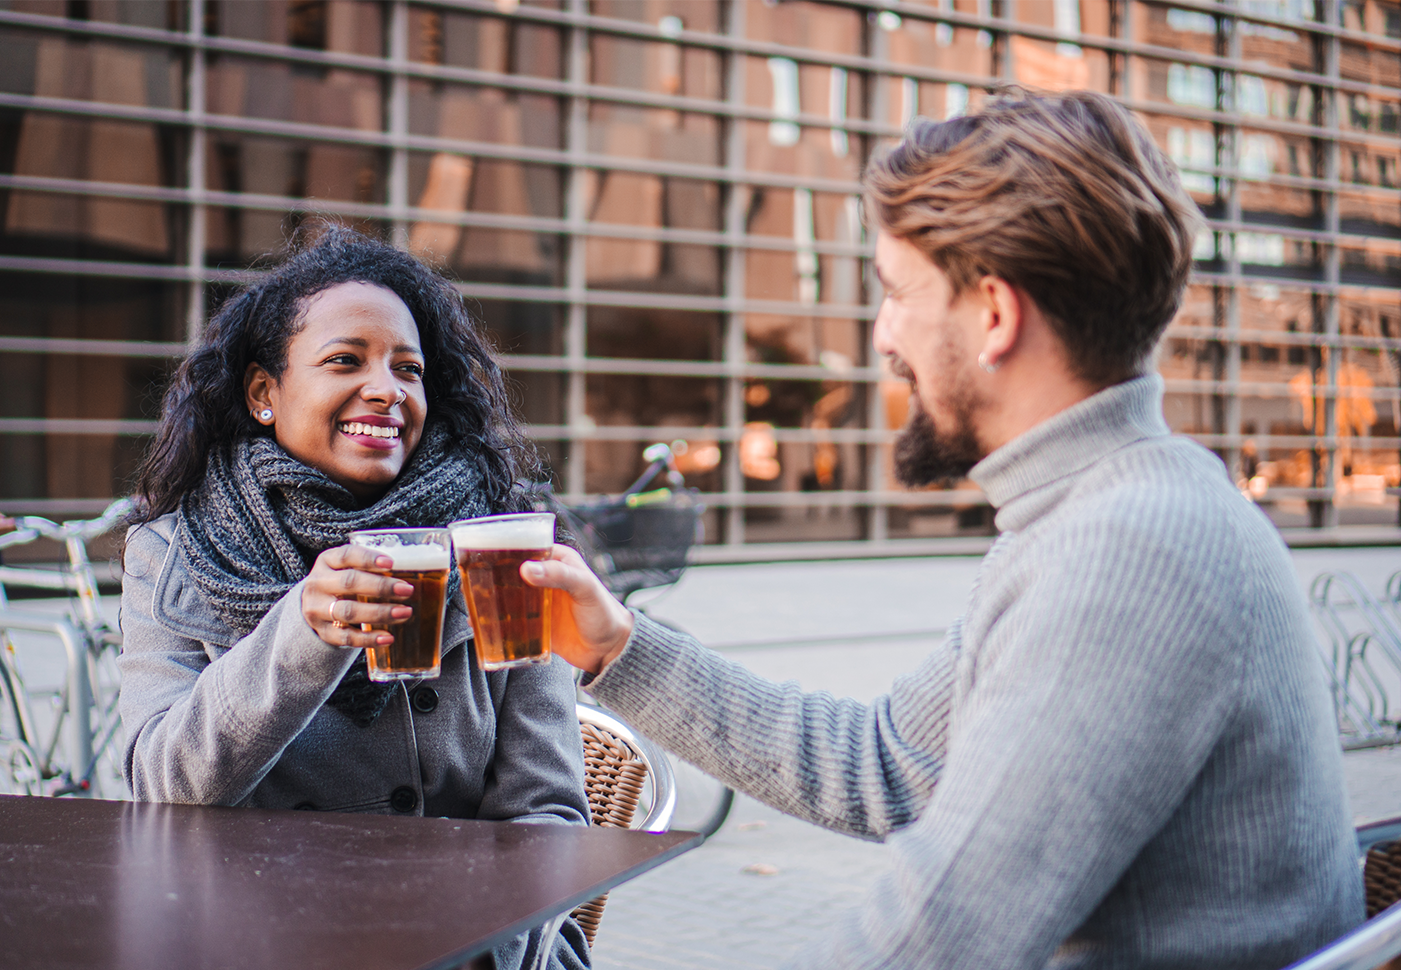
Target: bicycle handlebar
[[31, 527], [661, 457]]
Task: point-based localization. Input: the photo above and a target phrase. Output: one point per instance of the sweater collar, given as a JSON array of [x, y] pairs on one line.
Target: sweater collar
[[1014, 476]]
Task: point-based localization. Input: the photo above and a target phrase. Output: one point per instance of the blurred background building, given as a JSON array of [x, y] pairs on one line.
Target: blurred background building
[[653, 205]]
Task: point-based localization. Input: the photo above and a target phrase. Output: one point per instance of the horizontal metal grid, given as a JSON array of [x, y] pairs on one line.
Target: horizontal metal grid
[[736, 305]]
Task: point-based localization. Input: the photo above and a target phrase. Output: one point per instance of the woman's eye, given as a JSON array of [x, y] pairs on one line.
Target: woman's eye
[[347, 360], [415, 369]]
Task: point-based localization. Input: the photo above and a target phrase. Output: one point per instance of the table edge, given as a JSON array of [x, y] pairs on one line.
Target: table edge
[[459, 958]]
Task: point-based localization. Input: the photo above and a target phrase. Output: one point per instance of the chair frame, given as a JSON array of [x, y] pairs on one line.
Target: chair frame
[[659, 773]]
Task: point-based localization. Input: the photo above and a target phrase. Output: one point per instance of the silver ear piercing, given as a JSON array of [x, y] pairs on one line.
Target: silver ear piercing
[[264, 415], [985, 364]]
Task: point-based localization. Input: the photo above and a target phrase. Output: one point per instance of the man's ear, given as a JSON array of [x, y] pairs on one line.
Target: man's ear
[[1003, 319], [257, 388]]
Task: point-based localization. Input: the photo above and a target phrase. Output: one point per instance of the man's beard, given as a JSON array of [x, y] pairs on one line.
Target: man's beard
[[924, 455]]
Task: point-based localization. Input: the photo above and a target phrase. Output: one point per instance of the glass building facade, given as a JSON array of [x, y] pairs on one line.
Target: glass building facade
[[653, 206]]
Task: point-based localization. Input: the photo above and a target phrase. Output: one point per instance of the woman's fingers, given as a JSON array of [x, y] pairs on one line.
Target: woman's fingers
[[343, 600], [346, 612], [353, 557], [352, 637], [588, 626]]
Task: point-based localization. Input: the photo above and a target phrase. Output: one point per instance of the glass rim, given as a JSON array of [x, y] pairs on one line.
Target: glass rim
[[418, 530], [504, 517]]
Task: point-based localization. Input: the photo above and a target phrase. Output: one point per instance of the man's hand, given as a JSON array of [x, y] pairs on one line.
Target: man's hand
[[588, 626], [330, 597]]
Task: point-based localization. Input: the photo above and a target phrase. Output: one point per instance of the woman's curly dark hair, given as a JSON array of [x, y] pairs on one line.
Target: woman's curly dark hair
[[205, 405]]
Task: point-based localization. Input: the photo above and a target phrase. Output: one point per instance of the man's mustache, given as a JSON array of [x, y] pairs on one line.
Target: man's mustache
[[901, 369]]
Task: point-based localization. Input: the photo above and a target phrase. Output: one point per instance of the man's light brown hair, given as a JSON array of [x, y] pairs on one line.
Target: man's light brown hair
[[1063, 196]]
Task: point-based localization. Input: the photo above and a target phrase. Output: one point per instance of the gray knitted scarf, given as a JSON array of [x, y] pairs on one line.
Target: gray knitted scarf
[[253, 528]]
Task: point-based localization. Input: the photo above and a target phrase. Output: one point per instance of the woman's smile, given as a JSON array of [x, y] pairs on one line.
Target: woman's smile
[[372, 431]]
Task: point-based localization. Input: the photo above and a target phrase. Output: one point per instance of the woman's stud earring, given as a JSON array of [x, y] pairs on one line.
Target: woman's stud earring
[[984, 364], [265, 414]]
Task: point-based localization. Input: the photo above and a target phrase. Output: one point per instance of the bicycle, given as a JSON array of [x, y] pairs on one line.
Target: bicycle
[[641, 540], [85, 706]]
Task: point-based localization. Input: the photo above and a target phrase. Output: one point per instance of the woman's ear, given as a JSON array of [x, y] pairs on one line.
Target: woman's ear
[[257, 393]]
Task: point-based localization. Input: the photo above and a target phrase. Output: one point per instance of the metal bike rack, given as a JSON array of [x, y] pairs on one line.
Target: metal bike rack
[[79, 688], [1363, 656]]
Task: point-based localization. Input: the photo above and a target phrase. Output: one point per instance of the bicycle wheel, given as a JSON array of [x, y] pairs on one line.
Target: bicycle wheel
[[109, 746], [19, 766], [19, 770], [702, 802]]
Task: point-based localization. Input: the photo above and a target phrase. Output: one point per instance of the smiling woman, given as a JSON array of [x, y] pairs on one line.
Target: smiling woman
[[345, 390], [351, 394]]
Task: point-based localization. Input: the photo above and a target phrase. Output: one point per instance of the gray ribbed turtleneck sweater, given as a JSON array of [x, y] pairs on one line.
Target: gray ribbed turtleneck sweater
[[1123, 755]]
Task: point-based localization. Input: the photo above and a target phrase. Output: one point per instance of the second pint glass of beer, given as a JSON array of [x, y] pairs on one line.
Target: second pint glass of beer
[[510, 620], [422, 558]]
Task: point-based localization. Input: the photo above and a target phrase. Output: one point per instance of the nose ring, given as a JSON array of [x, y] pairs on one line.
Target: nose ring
[[403, 396]]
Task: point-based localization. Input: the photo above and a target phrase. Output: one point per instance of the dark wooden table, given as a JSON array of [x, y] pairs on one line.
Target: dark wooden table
[[97, 885]]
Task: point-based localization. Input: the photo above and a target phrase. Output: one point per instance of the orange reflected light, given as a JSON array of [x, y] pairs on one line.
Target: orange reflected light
[[700, 457], [758, 452]]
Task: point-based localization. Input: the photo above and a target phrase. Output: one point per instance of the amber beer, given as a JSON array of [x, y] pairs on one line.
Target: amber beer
[[422, 559], [510, 620]]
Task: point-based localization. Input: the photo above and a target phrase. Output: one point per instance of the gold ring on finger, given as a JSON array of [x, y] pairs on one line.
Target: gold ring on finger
[[338, 624]]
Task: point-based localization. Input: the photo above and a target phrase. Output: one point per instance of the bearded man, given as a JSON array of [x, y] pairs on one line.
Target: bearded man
[[1124, 754]]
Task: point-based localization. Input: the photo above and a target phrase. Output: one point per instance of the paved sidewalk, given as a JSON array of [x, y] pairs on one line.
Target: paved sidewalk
[[850, 628]]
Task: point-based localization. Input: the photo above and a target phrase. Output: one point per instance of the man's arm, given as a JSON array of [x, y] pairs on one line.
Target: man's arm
[[865, 770]]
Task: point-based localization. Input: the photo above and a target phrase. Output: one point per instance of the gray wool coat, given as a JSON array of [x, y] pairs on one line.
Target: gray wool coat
[[215, 722]]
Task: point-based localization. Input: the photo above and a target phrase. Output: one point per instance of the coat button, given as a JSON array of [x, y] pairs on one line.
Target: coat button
[[425, 700], [403, 799]]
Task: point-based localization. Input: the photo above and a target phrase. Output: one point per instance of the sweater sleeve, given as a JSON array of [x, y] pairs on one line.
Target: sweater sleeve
[[865, 770], [202, 731]]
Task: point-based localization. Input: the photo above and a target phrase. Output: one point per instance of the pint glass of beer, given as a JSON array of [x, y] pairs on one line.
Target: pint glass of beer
[[422, 558], [510, 620]]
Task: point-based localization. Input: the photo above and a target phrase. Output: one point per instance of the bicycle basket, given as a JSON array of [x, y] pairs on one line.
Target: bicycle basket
[[641, 546]]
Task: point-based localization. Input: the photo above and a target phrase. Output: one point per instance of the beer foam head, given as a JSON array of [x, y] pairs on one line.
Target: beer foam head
[[530, 530], [420, 558]]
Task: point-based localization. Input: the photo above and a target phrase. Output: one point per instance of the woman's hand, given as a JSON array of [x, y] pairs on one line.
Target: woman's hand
[[590, 627], [329, 600]]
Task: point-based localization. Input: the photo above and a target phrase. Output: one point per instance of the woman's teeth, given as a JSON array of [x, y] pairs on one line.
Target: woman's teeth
[[373, 430]]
